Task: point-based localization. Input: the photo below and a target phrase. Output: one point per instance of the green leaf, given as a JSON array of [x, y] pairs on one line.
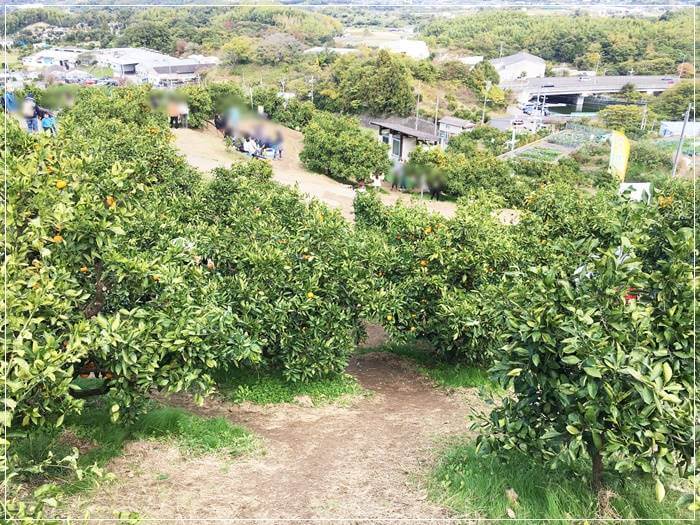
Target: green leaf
[[660, 491], [592, 371], [668, 372], [572, 430], [515, 372], [592, 388], [570, 360]]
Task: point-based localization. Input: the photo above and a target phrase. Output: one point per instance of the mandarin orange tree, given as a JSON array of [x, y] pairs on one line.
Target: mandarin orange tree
[[583, 310], [600, 360], [432, 272], [124, 265]]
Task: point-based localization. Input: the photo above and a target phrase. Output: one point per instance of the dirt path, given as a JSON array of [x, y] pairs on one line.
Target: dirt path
[[205, 150], [367, 460]]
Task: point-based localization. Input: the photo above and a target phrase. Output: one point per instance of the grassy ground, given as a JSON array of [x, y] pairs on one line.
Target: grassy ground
[[99, 72], [476, 486], [100, 440], [11, 58], [267, 387], [444, 374]]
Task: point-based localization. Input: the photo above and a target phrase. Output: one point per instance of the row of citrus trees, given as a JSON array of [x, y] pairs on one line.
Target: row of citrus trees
[[583, 310], [124, 264]]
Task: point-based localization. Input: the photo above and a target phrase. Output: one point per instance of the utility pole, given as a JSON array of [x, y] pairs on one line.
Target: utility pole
[[500, 53], [544, 100], [283, 82], [680, 142], [512, 139], [486, 94], [437, 105], [644, 118], [312, 88], [417, 104]]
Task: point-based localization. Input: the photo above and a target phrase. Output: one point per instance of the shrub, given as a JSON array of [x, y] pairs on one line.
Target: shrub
[[337, 146], [224, 95], [428, 284], [295, 114], [238, 50], [590, 376], [626, 118], [124, 264], [650, 156], [200, 103], [277, 48]]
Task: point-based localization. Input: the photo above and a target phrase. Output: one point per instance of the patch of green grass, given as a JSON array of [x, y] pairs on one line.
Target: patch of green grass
[[264, 387], [190, 432], [441, 372], [475, 486], [103, 440]]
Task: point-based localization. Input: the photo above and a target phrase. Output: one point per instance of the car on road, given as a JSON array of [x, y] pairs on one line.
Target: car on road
[[535, 110], [547, 85], [106, 82], [670, 80], [584, 78]]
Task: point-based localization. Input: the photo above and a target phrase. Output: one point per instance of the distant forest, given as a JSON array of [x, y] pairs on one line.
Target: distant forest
[[618, 44]]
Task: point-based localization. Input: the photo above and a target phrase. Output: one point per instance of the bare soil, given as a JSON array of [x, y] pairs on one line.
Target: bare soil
[[205, 150], [364, 461]]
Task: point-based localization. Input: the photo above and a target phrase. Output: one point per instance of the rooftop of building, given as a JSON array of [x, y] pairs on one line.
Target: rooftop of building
[[514, 59]]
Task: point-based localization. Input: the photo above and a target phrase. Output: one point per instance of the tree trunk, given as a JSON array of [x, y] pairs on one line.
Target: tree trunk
[[597, 477], [94, 307]]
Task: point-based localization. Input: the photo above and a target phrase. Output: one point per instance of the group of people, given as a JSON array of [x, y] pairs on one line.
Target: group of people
[[256, 144], [178, 112], [37, 117], [376, 183], [430, 180]]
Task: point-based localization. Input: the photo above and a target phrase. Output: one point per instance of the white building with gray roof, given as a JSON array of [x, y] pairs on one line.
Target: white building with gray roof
[[519, 65]]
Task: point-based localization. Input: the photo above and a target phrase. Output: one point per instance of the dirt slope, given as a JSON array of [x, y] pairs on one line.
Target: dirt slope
[[363, 461], [205, 150]]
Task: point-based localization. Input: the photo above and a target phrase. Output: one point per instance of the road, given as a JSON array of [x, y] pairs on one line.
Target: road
[[592, 85]]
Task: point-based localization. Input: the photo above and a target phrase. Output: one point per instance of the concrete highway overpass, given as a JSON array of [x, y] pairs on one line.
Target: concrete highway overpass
[[581, 87]]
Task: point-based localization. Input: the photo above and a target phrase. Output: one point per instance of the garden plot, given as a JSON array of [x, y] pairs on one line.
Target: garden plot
[[562, 143]]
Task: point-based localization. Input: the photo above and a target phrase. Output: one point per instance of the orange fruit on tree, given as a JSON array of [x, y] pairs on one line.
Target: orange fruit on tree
[[60, 184], [57, 238], [423, 263], [83, 269], [110, 201], [665, 201], [310, 295]]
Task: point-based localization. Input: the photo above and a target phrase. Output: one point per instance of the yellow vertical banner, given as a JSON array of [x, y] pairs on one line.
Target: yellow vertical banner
[[619, 154]]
